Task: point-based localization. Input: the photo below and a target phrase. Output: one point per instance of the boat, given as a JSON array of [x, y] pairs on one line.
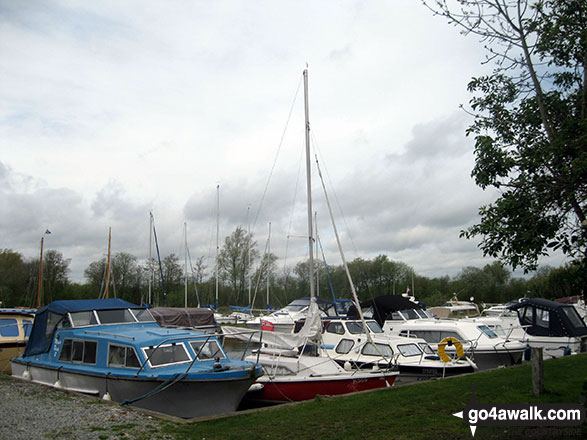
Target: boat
[[15, 328], [556, 327], [284, 320], [346, 341], [455, 309], [115, 350], [399, 316], [294, 375]]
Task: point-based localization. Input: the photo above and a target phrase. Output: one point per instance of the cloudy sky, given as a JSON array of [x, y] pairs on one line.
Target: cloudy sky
[[110, 110]]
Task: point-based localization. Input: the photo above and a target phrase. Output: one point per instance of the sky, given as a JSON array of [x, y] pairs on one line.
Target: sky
[[111, 110]]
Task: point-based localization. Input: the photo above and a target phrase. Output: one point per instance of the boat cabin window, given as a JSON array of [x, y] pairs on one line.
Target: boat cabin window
[[8, 328], [355, 328], [487, 331], [381, 350], [410, 314], [142, 315], [542, 318], [344, 346], [336, 328], [53, 319], [115, 316], [435, 336], [374, 327], [207, 349], [409, 350], [81, 319], [395, 316], [27, 326], [166, 355], [122, 356], [574, 317], [79, 351]]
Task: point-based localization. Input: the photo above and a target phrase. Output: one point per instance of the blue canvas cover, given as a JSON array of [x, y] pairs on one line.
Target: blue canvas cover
[[48, 317]]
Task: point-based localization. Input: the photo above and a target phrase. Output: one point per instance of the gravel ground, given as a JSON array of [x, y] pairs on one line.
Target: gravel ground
[[33, 411]]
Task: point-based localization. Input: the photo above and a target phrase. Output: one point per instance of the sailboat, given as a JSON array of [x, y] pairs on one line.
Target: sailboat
[[295, 370]]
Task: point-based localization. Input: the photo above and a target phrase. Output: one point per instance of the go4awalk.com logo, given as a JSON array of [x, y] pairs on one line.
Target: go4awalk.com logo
[[521, 414]]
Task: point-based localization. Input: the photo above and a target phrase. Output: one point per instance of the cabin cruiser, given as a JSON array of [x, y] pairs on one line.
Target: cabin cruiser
[[346, 341], [398, 316], [455, 309], [283, 320], [15, 328], [556, 327], [115, 350]]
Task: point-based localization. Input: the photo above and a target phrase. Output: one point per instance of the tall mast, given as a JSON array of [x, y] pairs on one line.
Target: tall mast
[[108, 263], [40, 275], [309, 187], [217, 236], [249, 251], [185, 276], [268, 256], [152, 274]]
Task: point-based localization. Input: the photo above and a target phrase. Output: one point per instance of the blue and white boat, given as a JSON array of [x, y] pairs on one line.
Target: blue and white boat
[[115, 350]]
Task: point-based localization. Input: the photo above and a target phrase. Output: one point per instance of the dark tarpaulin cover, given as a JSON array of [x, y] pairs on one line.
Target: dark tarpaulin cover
[[48, 317], [181, 317], [383, 306]]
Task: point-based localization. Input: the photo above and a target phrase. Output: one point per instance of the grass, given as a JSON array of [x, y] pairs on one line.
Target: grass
[[420, 411]]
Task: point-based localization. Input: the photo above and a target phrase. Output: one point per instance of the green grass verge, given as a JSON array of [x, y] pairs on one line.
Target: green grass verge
[[420, 411]]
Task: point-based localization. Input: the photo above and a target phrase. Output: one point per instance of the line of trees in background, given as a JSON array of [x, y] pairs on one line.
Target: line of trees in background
[[245, 273]]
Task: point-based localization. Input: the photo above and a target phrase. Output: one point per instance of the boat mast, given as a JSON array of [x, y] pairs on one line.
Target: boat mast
[[40, 275], [217, 237], [185, 276], [249, 252], [152, 275], [309, 188], [108, 263], [268, 257]]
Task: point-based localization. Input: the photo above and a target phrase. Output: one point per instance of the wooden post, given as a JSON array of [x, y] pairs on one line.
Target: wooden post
[[537, 371]]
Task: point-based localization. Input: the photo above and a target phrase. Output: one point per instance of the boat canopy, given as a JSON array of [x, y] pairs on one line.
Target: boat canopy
[[383, 306], [548, 318], [182, 317], [47, 319]]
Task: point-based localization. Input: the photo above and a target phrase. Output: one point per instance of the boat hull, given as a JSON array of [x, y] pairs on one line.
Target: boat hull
[[185, 398], [7, 352], [292, 389]]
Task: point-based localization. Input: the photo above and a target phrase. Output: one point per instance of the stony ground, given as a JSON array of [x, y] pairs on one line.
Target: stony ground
[[32, 411]]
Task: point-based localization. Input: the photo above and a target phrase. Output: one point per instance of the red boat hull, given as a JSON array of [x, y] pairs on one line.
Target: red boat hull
[[284, 390]]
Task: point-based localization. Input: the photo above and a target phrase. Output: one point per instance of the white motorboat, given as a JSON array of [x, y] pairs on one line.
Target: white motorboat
[[556, 327], [399, 316]]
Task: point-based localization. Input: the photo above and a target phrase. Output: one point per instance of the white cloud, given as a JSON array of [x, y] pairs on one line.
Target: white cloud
[[109, 110]]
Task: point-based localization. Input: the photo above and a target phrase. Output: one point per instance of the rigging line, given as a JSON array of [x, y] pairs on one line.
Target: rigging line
[[277, 154], [348, 231]]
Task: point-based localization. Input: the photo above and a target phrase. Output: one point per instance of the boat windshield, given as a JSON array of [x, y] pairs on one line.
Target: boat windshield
[[208, 350], [166, 355], [382, 350], [374, 327], [487, 331], [425, 348], [409, 350], [355, 327], [574, 317], [410, 314]]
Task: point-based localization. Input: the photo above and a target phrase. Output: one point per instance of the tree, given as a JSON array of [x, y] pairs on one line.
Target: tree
[[530, 126], [172, 270], [13, 279], [233, 261], [55, 275]]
